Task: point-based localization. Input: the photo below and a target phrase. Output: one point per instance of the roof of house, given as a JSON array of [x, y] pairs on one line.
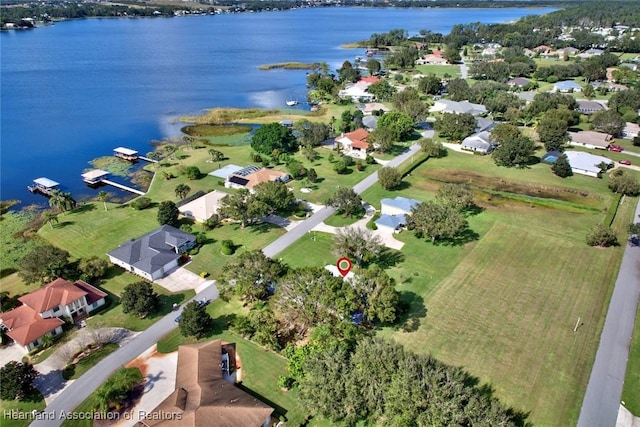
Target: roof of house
[[590, 137], [481, 140], [266, 175], [203, 207], [542, 47], [631, 127], [153, 250], [357, 138], [590, 106], [58, 292], [369, 79], [370, 122], [586, 161], [234, 179], [518, 81], [392, 221], [94, 174], [526, 96], [567, 85], [448, 106], [483, 124], [203, 397], [401, 203], [26, 325], [370, 107]]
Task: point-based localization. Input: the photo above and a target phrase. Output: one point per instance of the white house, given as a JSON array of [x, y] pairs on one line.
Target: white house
[[393, 213], [585, 163], [354, 143], [203, 207], [154, 254], [42, 311], [447, 106], [357, 92], [566, 86], [630, 131], [479, 142]]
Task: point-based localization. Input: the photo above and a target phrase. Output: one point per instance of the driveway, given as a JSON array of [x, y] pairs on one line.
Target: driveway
[[11, 352], [182, 279]]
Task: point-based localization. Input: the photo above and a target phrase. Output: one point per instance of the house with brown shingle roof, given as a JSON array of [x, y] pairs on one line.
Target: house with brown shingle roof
[[354, 143], [252, 175], [590, 139], [41, 311], [203, 397]]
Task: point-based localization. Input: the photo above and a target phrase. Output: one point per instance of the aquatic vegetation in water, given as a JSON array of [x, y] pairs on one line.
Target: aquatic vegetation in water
[[113, 165]]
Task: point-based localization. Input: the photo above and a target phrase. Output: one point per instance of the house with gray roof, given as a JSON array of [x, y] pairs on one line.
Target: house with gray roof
[[479, 143], [448, 106], [586, 163], [590, 139], [393, 213], [519, 82], [154, 254], [566, 86], [482, 124], [590, 107]]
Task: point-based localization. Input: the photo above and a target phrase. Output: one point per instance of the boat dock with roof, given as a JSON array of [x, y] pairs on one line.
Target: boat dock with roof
[[97, 177], [43, 185], [130, 155]]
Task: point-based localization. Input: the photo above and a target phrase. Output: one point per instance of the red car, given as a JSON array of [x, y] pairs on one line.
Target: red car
[[624, 162], [615, 148]]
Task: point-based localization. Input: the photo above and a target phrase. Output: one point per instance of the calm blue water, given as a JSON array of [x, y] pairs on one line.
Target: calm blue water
[[73, 91]]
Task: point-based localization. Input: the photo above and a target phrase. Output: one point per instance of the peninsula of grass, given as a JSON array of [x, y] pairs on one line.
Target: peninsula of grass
[[205, 130], [223, 116], [291, 66]]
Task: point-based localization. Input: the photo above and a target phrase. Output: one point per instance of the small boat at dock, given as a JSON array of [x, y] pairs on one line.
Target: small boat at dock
[[292, 102]]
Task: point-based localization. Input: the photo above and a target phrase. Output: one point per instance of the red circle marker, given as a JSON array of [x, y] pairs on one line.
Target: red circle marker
[[344, 266]]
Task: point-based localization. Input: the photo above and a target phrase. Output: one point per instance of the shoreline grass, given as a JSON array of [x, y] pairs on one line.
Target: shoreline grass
[[291, 66]]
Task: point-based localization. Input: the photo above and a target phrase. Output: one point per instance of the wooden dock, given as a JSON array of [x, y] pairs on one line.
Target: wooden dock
[[122, 187], [146, 159]]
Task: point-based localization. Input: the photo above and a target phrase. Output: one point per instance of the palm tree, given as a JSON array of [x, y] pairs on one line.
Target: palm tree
[[170, 150], [182, 190], [216, 156], [58, 200], [50, 217], [103, 196]]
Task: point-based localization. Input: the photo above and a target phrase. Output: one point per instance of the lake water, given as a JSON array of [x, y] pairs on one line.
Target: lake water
[[73, 91]]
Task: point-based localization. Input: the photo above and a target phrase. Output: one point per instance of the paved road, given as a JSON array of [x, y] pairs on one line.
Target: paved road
[[464, 74], [76, 392], [602, 399], [305, 227]]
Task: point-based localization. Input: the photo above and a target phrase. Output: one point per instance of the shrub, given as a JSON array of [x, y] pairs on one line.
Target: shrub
[[192, 172], [348, 160], [601, 236], [228, 248], [370, 160], [256, 157], [340, 167], [141, 203], [285, 382]]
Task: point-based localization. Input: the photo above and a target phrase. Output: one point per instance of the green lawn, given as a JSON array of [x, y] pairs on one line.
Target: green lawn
[[72, 372], [630, 395], [312, 250], [439, 70], [260, 368], [33, 402], [339, 220]]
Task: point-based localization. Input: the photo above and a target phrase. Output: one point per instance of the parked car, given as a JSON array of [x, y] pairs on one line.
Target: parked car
[[624, 162], [178, 319], [615, 148]]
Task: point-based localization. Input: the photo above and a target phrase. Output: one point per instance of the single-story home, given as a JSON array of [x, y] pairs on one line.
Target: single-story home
[[585, 163], [479, 142], [590, 139], [357, 92], [333, 269], [448, 106], [354, 143], [590, 53], [225, 171], [527, 97], [205, 394], [251, 176], [41, 311], [566, 86], [202, 208], [369, 107], [153, 254], [631, 130], [431, 59], [393, 213], [482, 124], [589, 107], [370, 122], [630, 65], [519, 82]]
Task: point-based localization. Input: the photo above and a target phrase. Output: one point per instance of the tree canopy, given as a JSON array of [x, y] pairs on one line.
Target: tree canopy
[[168, 213], [243, 206], [436, 221], [276, 196], [514, 151], [139, 298], [251, 276], [389, 178], [346, 202], [456, 127], [357, 244], [43, 263], [17, 380], [195, 320], [274, 136]]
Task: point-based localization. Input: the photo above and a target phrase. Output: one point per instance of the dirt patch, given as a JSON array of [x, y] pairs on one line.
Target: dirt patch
[[499, 184]]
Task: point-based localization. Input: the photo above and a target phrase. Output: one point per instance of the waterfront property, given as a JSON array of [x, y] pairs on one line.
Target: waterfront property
[[205, 395], [154, 254], [42, 311], [44, 186], [125, 153], [94, 176], [202, 208], [252, 175], [354, 143]]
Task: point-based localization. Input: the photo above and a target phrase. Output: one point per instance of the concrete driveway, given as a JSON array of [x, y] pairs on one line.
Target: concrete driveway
[[182, 279], [11, 352]]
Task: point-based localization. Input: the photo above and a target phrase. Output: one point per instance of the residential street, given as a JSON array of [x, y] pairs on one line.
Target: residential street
[[602, 398], [76, 392]]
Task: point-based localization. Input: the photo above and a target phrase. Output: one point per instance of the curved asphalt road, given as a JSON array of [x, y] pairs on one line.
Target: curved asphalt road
[[602, 398], [77, 391]]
